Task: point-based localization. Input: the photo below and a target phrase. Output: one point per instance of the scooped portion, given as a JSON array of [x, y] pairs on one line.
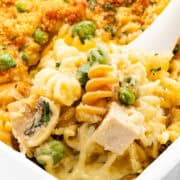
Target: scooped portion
[[33, 119]]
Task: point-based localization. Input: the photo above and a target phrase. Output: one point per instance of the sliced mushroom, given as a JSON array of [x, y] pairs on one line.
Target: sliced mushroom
[[33, 120]]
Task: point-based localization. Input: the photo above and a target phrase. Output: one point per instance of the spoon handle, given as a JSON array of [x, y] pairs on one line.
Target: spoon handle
[[163, 34]]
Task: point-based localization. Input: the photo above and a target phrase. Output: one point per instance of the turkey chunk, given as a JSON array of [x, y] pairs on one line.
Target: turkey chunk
[[119, 128]]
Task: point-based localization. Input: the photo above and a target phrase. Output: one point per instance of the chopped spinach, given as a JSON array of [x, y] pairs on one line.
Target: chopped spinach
[[41, 117], [109, 7], [58, 64], [46, 112], [154, 70]]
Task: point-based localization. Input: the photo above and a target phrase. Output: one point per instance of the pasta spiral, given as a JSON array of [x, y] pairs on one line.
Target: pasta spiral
[[68, 57], [5, 128], [57, 86], [98, 88]]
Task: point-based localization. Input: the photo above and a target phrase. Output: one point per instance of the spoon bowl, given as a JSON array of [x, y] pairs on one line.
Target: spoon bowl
[[162, 35]]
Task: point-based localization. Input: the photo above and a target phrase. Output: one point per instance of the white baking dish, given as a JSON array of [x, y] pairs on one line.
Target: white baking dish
[[15, 166]]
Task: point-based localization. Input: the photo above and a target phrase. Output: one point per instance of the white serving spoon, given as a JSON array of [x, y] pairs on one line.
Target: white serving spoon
[[162, 35]]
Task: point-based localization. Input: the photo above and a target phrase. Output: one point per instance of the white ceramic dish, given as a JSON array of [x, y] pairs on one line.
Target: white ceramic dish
[[15, 166]]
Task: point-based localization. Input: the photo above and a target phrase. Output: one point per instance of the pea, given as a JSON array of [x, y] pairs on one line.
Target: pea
[[84, 29], [51, 152], [6, 62], [24, 57], [97, 56], [82, 75], [126, 96], [21, 7], [41, 37]]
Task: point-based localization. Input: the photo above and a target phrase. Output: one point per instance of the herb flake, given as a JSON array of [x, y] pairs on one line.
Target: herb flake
[[154, 70], [58, 64]]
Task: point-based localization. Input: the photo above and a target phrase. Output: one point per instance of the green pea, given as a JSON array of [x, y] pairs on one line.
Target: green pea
[[21, 7], [85, 30], [51, 152], [82, 74], [126, 96], [6, 62], [41, 37], [24, 57], [97, 56]]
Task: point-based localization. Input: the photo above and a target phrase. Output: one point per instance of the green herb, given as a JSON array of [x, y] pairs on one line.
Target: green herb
[[164, 88], [40, 36], [156, 54], [126, 96], [13, 38], [49, 153], [154, 70], [176, 49], [110, 29], [128, 81], [109, 7], [92, 4], [46, 112], [6, 62], [67, 1], [21, 7], [97, 56], [4, 46], [125, 33], [82, 74], [24, 57], [58, 64], [85, 30]]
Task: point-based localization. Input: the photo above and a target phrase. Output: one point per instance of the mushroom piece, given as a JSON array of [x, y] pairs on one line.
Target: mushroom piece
[[33, 120]]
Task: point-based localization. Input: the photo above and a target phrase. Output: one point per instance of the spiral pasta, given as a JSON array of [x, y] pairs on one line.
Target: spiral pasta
[[57, 86], [67, 57], [98, 89], [5, 128]]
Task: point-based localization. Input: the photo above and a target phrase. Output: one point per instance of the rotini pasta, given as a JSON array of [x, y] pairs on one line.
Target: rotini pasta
[[65, 58], [57, 86], [98, 89], [5, 128]]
